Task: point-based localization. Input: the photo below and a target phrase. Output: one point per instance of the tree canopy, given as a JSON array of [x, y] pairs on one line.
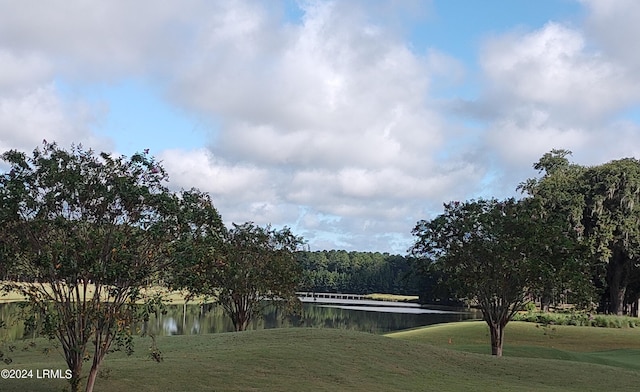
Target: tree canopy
[[83, 234], [358, 272], [496, 253], [246, 266], [602, 205]]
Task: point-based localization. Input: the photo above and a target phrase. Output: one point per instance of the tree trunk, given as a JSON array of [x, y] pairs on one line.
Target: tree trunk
[[74, 362], [93, 374], [240, 320], [618, 279], [75, 379], [545, 302], [99, 354], [496, 331]]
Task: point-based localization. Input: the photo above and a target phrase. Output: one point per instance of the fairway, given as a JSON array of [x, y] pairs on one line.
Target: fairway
[[298, 359], [611, 346]]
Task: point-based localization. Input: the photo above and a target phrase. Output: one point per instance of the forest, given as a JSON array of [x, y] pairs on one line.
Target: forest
[[358, 272]]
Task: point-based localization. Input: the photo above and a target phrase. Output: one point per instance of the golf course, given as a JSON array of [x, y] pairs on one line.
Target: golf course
[[444, 357]]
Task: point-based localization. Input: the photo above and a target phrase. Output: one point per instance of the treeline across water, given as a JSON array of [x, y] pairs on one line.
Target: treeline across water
[[339, 271]]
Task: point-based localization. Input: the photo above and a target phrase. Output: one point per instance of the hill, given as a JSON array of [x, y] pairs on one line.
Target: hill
[[329, 360]]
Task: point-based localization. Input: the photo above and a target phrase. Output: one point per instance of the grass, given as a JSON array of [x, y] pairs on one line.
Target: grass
[[170, 297], [298, 359], [579, 319], [392, 297], [615, 347]]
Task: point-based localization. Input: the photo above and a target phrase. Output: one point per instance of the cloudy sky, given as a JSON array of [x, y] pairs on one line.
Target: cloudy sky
[[345, 120]]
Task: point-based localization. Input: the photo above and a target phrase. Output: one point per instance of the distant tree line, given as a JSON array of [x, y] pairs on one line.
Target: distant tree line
[[339, 271]]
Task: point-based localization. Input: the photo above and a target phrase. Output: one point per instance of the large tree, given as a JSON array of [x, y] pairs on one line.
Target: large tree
[[85, 233], [495, 253], [602, 205], [245, 269]]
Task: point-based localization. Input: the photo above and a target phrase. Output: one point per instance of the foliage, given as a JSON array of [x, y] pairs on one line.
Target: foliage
[[495, 253], [580, 319], [199, 242], [358, 272], [246, 266], [602, 205], [81, 235]]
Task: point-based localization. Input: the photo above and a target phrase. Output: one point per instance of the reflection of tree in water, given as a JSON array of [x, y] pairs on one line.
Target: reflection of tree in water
[[318, 316], [210, 318], [11, 322]]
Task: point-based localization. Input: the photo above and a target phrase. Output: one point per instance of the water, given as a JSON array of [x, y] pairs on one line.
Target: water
[[368, 316]]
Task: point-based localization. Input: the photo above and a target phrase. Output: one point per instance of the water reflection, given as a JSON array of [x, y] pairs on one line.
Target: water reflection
[[194, 319], [209, 318]]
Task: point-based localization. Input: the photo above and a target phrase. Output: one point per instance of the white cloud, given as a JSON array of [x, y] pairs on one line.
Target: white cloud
[[99, 39], [31, 115], [18, 71], [200, 169], [553, 88], [613, 25], [330, 124], [334, 110], [552, 69]]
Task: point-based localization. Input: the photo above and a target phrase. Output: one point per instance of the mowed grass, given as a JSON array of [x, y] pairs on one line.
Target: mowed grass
[[169, 297], [608, 346], [392, 297], [298, 359]]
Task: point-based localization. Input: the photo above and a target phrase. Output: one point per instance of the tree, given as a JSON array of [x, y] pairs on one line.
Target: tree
[[198, 246], [254, 264], [491, 252], [601, 204], [85, 233]]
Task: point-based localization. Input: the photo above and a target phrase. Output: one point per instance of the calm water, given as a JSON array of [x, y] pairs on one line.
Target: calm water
[[370, 316]]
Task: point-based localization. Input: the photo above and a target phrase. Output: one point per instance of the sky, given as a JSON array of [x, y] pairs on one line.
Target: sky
[[347, 121]]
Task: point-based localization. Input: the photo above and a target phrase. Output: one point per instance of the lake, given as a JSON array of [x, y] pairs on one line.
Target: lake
[[368, 316]]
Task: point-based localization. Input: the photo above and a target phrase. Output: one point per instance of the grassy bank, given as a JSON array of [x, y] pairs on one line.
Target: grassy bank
[[170, 297], [338, 360], [609, 346], [392, 297]]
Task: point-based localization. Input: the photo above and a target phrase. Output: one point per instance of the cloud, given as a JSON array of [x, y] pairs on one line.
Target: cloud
[[552, 69], [552, 88], [99, 40], [613, 25], [334, 111], [335, 123], [323, 120], [18, 71], [33, 114]]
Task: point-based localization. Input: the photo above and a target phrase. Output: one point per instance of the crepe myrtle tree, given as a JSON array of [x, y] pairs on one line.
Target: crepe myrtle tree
[[495, 253], [198, 247], [82, 235], [244, 268]]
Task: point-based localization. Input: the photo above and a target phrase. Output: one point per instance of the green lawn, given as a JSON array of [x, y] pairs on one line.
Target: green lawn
[[172, 297], [338, 360], [611, 346]]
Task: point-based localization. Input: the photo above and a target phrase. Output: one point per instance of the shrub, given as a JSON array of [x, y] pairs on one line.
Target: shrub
[[579, 319]]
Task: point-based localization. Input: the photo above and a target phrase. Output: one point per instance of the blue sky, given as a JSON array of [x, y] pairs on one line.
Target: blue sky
[[346, 120]]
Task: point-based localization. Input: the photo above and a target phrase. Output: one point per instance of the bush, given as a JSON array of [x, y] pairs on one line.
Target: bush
[[530, 306], [579, 319]]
